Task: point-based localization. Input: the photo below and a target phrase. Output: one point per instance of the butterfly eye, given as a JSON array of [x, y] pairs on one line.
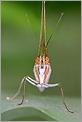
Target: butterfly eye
[[37, 60], [47, 60]]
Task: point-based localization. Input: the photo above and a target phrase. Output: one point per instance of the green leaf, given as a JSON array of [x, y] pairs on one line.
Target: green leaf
[[40, 108], [24, 114]]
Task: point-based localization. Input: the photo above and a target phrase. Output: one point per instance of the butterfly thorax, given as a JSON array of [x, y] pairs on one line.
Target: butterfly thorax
[[42, 69]]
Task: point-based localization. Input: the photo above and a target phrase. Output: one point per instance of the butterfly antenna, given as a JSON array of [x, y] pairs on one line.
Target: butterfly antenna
[[55, 28], [28, 21]]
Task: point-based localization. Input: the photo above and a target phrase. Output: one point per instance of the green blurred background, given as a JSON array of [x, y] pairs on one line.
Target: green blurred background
[[20, 37]]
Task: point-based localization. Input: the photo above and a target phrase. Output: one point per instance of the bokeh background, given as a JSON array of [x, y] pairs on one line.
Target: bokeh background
[[20, 30]]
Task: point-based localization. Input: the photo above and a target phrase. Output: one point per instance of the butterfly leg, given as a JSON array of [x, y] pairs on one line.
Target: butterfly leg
[[62, 93], [30, 80]]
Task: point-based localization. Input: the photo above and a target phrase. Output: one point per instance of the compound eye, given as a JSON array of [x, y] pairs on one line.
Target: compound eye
[[37, 60], [47, 60]]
